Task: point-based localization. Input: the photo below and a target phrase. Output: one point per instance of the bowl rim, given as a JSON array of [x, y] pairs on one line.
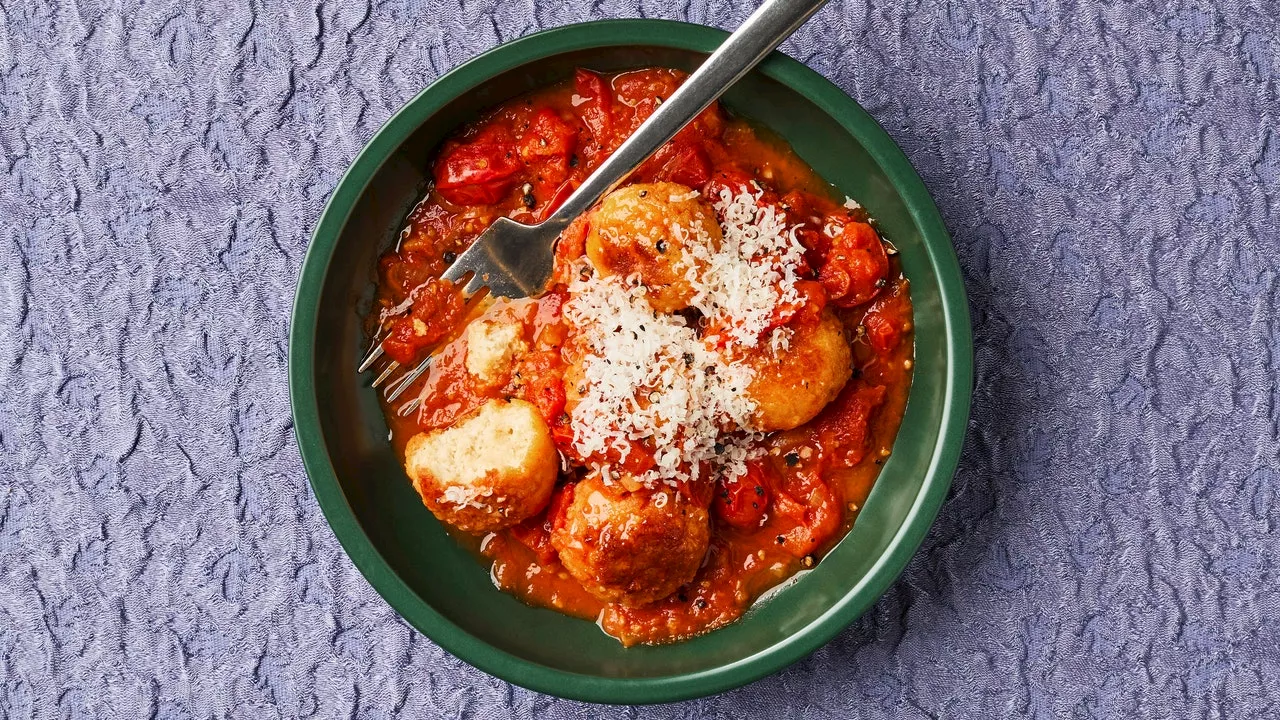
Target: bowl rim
[[457, 641]]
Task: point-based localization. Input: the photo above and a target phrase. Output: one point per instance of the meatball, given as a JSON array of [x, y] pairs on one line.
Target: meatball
[[631, 547], [492, 346], [793, 386], [648, 229], [491, 469]]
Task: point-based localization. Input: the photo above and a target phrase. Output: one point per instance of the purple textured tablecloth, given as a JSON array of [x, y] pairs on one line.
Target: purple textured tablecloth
[[1110, 174]]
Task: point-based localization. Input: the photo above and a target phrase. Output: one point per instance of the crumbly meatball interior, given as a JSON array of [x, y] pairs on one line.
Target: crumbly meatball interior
[[646, 229], [489, 470], [492, 346], [631, 547], [792, 386]]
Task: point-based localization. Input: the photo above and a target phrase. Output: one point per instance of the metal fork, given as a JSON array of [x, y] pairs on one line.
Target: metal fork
[[514, 260]]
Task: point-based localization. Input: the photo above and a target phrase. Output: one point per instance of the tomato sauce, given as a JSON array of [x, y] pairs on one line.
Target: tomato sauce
[[521, 160]]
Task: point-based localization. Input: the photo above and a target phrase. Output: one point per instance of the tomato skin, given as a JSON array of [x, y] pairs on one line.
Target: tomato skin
[[855, 266], [802, 208], [534, 536], [742, 502], [561, 194], [887, 318], [479, 172], [559, 506], [683, 162], [400, 343], [596, 106], [548, 136], [571, 246], [538, 378]]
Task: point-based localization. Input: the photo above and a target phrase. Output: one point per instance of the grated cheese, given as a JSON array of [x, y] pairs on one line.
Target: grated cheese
[[650, 377], [751, 274], [463, 496]]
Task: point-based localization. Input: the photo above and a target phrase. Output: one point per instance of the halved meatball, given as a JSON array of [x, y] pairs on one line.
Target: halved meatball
[[631, 547], [492, 346], [647, 229], [491, 469], [791, 387]]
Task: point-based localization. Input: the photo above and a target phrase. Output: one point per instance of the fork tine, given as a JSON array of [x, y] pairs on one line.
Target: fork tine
[[398, 387], [474, 285], [386, 373], [459, 269], [371, 358], [407, 409]]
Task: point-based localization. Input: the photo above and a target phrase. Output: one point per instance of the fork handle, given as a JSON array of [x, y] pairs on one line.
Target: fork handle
[[767, 27]]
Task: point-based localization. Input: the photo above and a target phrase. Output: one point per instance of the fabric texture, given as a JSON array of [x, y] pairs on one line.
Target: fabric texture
[[1109, 172]]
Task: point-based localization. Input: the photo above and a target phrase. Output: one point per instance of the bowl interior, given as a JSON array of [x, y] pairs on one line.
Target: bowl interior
[[441, 588]]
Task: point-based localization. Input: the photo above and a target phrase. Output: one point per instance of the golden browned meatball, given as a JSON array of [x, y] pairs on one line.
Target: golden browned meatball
[[631, 547], [647, 229], [791, 387], [492, 469]]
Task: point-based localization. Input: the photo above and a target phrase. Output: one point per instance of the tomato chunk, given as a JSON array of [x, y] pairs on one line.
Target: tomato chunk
[[802, 208], [558, 197], [886, 319], [742, 501], [734, 181], [571, 246], [855, 266], [814, 505], [842, 427], [477, 173], [594, 104], [547, 144], [679, 162], [644, 90], [437, 308], [535, 533], [882, 333], [546, 392]]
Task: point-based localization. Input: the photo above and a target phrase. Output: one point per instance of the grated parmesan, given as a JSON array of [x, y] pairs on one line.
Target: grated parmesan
[[463, 496], [753, 272], [649, 376]]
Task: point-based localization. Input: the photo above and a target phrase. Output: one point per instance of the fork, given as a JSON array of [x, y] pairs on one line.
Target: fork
[[514, 260]]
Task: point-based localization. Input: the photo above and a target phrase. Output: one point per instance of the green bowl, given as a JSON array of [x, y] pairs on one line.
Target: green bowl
[[438, 586]]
